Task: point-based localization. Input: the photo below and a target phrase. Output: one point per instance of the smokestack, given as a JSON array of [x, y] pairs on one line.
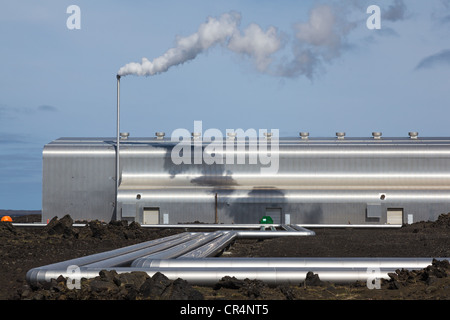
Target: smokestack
[[117, 146]]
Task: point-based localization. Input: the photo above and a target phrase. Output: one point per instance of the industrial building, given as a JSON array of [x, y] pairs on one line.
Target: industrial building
[[337, 180]]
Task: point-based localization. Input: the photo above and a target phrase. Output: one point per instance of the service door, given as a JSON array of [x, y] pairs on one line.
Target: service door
[[150, 216], [394, 216]]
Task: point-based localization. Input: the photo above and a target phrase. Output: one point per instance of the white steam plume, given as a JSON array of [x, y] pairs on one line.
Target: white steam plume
[[212, 32], [254, 42], [257, 44], [320, 39]]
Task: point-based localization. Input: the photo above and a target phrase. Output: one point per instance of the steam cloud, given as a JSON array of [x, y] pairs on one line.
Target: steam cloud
[[316, 41]]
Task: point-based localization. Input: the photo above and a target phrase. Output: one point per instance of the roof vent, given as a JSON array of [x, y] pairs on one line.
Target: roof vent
[[231, 135], [304, 135], [196, 135], [124, 135], [340, 135], [413, 135], [160, 135], [377, 135], [268, 135]]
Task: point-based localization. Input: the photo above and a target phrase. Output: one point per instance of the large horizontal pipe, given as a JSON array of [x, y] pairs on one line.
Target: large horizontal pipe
[[211, 276], [273, 234], [311, 263], [258, 226], [233, 226], [308, 263], [270, 276]]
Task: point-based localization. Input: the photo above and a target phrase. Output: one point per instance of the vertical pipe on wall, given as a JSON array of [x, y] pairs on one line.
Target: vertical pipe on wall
[[116, 213]]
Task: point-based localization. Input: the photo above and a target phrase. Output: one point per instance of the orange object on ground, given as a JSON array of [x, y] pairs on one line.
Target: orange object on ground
[[6, 219]]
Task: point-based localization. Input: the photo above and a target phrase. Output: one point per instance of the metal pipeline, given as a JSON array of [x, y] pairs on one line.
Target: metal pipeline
[[248, 234], [192, 250], [270, 275], [275, 271], [128, 257], [211, 276], [141, 249], [180, 249], [235, 226], [299, 263], [212, 248]]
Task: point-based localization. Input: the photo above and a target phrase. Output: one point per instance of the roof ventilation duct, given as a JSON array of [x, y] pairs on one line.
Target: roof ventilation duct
[[304, 135], [340, 135], [160, 135], [196, 135], [377, 135], [231, 135], [413, 135]]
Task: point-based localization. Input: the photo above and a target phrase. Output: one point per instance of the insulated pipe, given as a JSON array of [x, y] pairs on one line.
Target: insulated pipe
[[298, 228], [180, 249], [235, 226], [209, 226], [272, 234], [94, 258], [271, 275], [212, 248], [207, 271], [307, 263], [258, 226], [211, 276], [287, 228], [127, 258]]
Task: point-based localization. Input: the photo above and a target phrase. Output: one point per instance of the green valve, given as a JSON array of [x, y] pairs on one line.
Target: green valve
[[266, 220]]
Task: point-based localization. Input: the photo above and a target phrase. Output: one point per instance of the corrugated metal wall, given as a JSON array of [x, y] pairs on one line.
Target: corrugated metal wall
[[318, 181]]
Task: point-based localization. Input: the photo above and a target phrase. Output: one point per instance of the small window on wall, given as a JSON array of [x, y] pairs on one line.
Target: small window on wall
[[395, 216]]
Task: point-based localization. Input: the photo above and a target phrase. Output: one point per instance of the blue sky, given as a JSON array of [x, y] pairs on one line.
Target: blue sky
[[57, 82]]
